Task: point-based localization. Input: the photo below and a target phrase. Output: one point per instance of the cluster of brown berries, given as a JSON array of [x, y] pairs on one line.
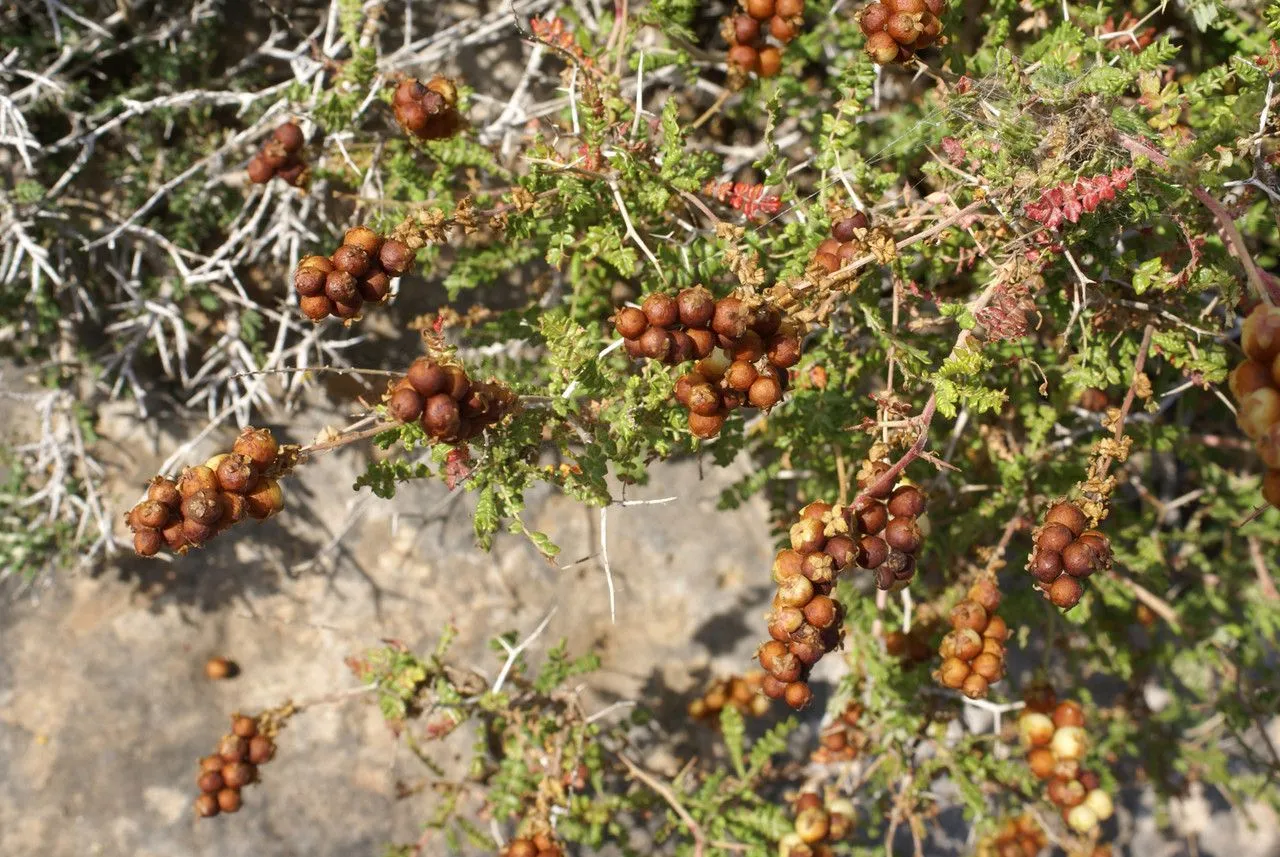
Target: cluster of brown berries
[[358, 272], [805, 620], [280, 156], [538, 845], [450, 406], [743, 351], [889, 526], [1053, 734], [818, 825], [740, 692], [748, 34], [896, 29], [841, 740], [845, 244], [428, 111], [1066, 552], [209, 498], [1255, 383], [235, 765], [973, 650], [1018, 837]]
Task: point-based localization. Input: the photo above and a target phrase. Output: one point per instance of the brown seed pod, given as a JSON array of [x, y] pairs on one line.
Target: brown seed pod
[[316, 307], [427, 377], [149, 514], [872, 20], [745, 31], [1068, 713], [290, 136], [245, 727], [969, 614], [210, 782], [744, 57], [1065, 592], [203, 507], [257, 445], [630, 323], [1054, 537], [872, 551], [1046, 565], [174, 534], [870, 515], [259, 170], [704, 341], [364, 238], [1068, 515], [195, 533], [374, 287], [783, 29], [265, 500], [740, 375], [405, 405], [985, 592], [237, 474], [706, 426], [990, 667], [233, 748], [907, 501], [237, 775], [196, 479], [770, 65], [882, 48], [396, 257], [229, 800], [783, 349], [147, 542], [440, 416], [309, 282], [353, 259], [1078, 559], [821, 612], [904, 534], [165, 492], [660, 310], [340, 286], [731, 318], [953, 673], [975, 686], [655, 343], [206, 806], [798, 695], [234, 509], [807, 535], [1041, 762], [904, 28]]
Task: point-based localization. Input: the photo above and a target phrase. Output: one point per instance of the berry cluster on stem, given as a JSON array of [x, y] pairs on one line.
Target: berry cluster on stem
[[1053, 734], [845, 245], [896, 29], [887, 521], [280, 156], [841, 740], [1066, 552], [1255, 384], [973, 651], [450, 406], [358, 272], [1018, 837], [211, 497], [750, 32], [538, 845], [428, 111], [234, 766], [819, 824], [740, 692], [744, 351]]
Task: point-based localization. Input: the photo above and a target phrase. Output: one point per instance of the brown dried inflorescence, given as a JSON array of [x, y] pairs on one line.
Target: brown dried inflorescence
[[744, 351], [1066, 551], [973, 651], [759, 33], [1053, 734], [281, 155], [359, 272], [896, 29], [428, 111], [209, 498], [449, 406], [233, 765], [1255, 384]]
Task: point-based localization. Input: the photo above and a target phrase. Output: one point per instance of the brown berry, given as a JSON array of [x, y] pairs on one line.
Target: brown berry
[[1065, 592], [761, 10], [1041, 762], [218, 668], [1068, 713], [989, 667], [740, 375], [873, 20], [427, 377], [1046, 565], [969, 614], [229, 800], [660, 310], [870, 515], [744, 57], [770, 65], [206, 806], [782, 29], [1248, 377], [316, 307], [821, 612], [745, 31], [405, 405], [374, 287], [260, 171], [975, 686], [655, 343], [245, 727], [237, 474], [731, 318], [630, 323], [1054, 537], [783, 349], [907, 501], [196, 479], [953, 673], [1078, 559], [704, 341], [904, 28], [265, 500], [364, 238], [798, 695], [210, 782], [1068, 515], [290, 136], [396, 257], [882, 48], [872, 551], [985, 592], [764, 393], [340, 286], [807, 535], [353, 259], [203, 507], [309, 282], [440, 416], [997, 629], [174, 534], [904, 534], [789, 8], [706, 426], [147, 541], [237, 775], [233, 748]]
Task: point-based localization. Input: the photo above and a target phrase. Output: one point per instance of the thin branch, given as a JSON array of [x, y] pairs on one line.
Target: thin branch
[[694, 830]]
